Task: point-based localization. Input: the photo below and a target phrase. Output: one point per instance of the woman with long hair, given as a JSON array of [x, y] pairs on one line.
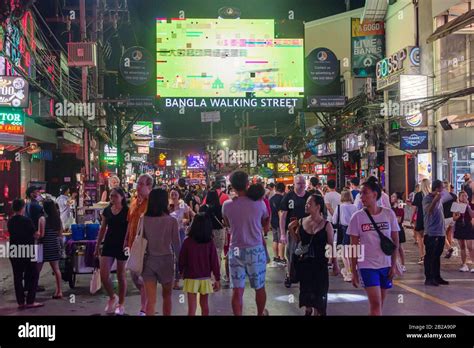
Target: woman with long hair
[[213, 208], [112, 232], [464, 232], [395, 200], [113, 182], [162, 233], [197, 261], [425, 189], [50, 231], [183, 214], [375, 269], [315, 234]]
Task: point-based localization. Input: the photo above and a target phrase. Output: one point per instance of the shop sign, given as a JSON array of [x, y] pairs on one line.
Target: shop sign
[[12, 121], [322, 66], [5, 164], [368, 47], [319, 169], [143, 150], [326, 101], [46, 155], [136, 66], [327, 149], [351, 143], [413, 140], [143, 129], [13, 92], [162, 160], [406, 61], [285, 168], [110, 154]]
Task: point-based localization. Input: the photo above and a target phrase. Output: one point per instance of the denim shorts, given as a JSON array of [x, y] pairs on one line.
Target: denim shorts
[[251, 262], [375, 277], [276, 234]]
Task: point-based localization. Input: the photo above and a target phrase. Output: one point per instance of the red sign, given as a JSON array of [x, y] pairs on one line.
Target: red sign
[[10, 129]]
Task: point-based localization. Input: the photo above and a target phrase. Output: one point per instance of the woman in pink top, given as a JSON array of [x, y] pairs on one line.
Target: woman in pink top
[[161, 231]]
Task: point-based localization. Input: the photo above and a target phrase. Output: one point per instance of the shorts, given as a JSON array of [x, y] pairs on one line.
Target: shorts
[[158, 268], [276, 235], [251, 262], [218, 236], [198, 286], [114, 251], [375, 277]]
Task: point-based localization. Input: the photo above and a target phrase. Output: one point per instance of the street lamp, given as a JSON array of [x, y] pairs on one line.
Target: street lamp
[[224, 143]]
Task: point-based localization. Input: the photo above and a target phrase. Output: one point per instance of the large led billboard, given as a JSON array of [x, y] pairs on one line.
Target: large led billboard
[[228, 63]]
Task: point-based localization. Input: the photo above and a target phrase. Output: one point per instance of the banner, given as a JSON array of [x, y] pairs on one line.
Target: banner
[[368, 47]]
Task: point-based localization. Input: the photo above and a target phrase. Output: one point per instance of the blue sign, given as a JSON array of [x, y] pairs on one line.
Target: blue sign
[[322, 66], [414, 140]]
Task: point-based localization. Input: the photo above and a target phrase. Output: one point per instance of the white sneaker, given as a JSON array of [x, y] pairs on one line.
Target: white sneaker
[[344, 272], [348, 278], [120, 310], [404, 269], [141, 314], [472, 270], [111, 304], [464, 268]]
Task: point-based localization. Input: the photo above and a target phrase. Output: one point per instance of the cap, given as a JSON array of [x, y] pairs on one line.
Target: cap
[[31, 189]]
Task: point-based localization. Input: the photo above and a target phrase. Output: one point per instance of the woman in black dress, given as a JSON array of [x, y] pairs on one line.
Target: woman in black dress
[[114, 228], [50, 231], [317, 235], [464, 232]]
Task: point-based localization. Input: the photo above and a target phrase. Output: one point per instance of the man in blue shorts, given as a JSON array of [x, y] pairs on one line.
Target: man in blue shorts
[[247, 251]]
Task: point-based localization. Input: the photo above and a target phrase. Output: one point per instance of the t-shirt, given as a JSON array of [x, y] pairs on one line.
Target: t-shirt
[[447, 206], [116, 227], [34, 211], [275, 203], [294, 205], [21, 230], [468, 188], [332, 198], [346, 210], [245, 219], [361, 226], [178, 214], [434, 222], [354, 193], [64, 208], [418, 203]]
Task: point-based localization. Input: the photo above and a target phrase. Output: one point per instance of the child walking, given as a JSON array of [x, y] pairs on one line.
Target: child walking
[[197, 260]]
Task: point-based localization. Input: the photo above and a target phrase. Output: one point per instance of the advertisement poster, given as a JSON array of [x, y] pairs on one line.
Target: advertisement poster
[[368, 47], [425, 166], [90, 193]]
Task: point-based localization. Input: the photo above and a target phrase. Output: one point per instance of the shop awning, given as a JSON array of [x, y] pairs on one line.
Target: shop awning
[[452, 26], [374, 10]]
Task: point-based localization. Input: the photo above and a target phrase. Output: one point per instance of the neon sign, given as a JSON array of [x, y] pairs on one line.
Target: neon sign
[[12, 121]]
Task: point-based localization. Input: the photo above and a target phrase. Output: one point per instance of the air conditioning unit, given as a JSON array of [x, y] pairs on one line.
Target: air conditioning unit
[[82, 54]]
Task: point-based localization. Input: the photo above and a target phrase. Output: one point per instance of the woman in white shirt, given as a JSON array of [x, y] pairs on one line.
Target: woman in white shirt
[[375, 269], [342, 215]]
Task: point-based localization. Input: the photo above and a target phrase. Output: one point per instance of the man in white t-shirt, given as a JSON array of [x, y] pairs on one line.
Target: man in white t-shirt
[[332, 199]]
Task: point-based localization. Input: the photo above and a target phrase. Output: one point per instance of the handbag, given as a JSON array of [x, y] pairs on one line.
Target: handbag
[[95, 283], [137, 252], [386, 244], [302, 250]]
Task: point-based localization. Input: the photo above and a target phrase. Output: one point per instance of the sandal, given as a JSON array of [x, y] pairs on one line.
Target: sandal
[[35, 305]]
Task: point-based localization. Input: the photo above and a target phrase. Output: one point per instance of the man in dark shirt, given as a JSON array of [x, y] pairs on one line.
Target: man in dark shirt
[[33, 209], [448, 219], [315, 186], [292, 207], [22, 232], [275, 202]]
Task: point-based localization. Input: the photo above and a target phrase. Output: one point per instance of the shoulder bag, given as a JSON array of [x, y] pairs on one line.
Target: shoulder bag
[[386, 244], [137, 252]]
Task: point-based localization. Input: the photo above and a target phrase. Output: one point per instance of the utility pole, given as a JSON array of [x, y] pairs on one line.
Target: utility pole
[[82, 10]]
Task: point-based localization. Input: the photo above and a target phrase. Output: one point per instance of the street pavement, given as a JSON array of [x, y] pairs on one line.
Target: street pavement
[[409, 295]]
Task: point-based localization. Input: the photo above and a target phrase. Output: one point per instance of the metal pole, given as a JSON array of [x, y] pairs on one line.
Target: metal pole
[[82, 10]]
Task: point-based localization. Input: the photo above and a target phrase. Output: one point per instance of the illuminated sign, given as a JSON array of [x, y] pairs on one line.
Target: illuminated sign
[[285, 168], [110, 154], [12, 121], [368, 46], [195, 162], [143, 129], [413, 140], [162, 160], [210, 59], [13, 92], [405, 61], [143, 150]]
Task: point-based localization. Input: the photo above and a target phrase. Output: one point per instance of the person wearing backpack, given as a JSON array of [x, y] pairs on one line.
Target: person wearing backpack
[[373, 228]]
